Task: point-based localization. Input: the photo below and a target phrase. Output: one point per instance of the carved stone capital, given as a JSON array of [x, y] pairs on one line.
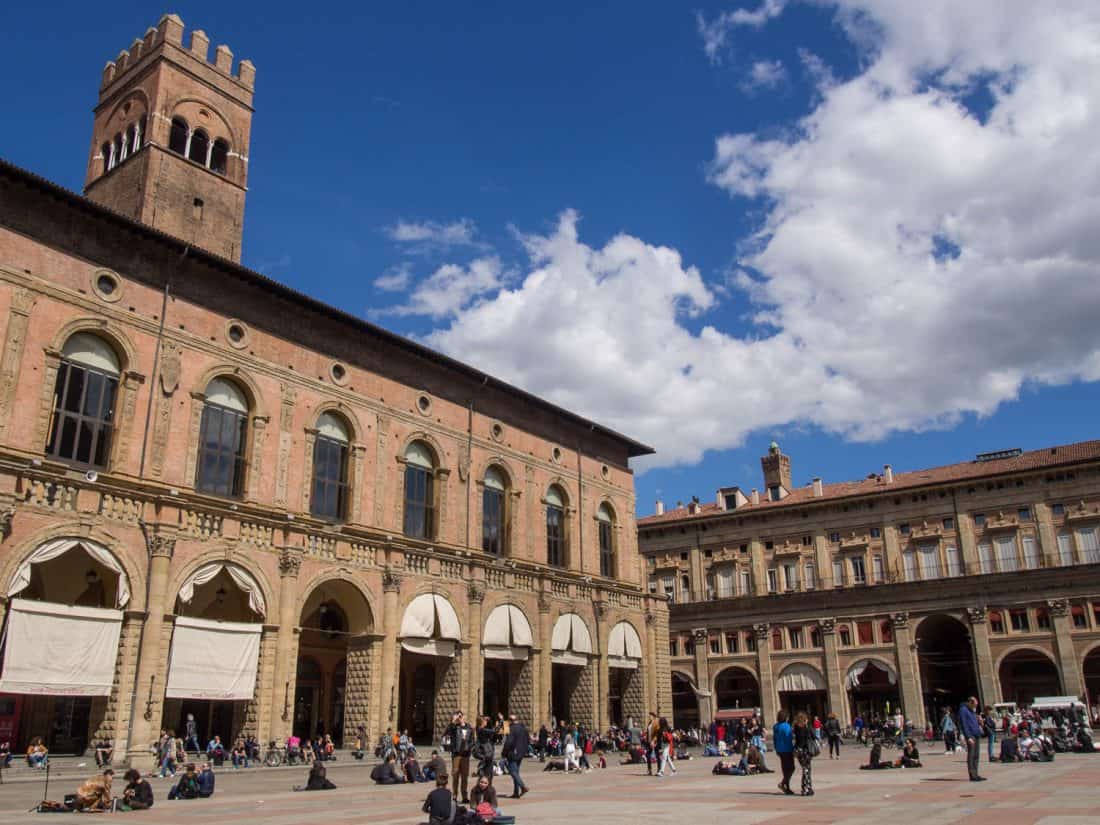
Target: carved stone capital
[[290, 561], [544, 603], [7, 516], [158, 544], [1058, 607], [762, 630], [827, 626], [475, 592], [899, 621], [976, 615], [600, 606], [699, 634], [651, 619], [391, 582]]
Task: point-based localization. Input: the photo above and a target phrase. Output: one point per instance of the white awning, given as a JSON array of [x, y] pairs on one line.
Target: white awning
[[856, 670], [241, 577], [58, 650], [58, 547], [430, 616], [570, 642], [507, 626], [624, 648], [799, 678], [430, 647], [213, 660]]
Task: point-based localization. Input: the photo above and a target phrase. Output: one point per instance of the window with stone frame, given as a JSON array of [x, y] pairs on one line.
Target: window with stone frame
[[420, 466], [865, 632], [996, 622], [329, 499], [223, 437], [605, 523], [85, 392], [493, 506], [555, 527], [844, 633]]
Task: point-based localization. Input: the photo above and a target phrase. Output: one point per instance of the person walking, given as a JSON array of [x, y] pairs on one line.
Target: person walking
[[651, 742], [989, 723], [832, 730], [948, 729], [783, 743], [516, 745], [972, 731], [461, 737], [664, 744], [803, 733]]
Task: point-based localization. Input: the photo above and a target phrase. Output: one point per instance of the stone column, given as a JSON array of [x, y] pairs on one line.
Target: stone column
[[543, 686], [703, 675], [1068, 665], [909, 684], [650, 664], [834, 679], [968, 548], [475, 596], [146, 713], [988, 684], [769, 698], [286, 647], [822, 559], [1048, 540], [894, 571], [390, 659], [759, 572], [600, 708]]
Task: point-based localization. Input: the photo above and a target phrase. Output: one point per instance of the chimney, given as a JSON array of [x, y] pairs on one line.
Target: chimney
[[888, 473], [818, 491], [755, 497], [777, 472], [660, 508], [720, 500]]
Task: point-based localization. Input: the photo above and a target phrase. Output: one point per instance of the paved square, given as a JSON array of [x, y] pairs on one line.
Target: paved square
[[1060, 793]]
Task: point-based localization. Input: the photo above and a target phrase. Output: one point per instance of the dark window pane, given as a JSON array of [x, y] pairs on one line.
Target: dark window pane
[[80, 429], [221, 451], [329, 478], [418, 502]]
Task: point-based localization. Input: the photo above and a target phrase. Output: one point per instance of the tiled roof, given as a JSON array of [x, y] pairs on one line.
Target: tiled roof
[[1032, 460]]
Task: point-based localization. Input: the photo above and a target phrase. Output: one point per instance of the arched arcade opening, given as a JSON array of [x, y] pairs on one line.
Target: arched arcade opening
[[945, 654], [429, 677], [572, 677], [1026, 674]]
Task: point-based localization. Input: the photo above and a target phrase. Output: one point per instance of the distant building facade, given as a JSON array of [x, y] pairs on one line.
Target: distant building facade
[[226, 503], [903, 590]]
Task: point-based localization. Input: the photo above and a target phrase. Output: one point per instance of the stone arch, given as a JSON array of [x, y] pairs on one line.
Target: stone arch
[[338, 575], [187, 108], [435, 590], [110, 332], [136, 94], [241, 377], [501, 463], [880, 661], [494, 599], [429, 439], [742, 693], [563, 485], [239, 559], [356, 430], [1041, 674], [1024, 646]]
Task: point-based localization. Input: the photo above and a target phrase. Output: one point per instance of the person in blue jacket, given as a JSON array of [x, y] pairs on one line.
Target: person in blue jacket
[[972, 731], [783, 742]]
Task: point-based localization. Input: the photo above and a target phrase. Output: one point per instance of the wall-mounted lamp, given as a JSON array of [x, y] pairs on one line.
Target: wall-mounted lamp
[[149, 702]]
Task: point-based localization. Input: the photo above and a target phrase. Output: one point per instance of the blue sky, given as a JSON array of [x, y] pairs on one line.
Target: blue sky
[[864, 230]]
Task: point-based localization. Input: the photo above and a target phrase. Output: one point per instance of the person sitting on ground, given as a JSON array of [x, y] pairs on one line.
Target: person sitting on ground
[[239, 755], [215, 750], [95, 794], [1010, 749], [138, 793], [360, 743], [317, 781], [635, 755], [5, 754], [440, 805], [188, 786], [103, 754], [308, 754], [910, 755], [412, 770], [726, 768], [436, 767], [754, 761], [874, 761], [386, 773], [206, 781], [328, 748], [484, 793], [293, 749], [37, 753]]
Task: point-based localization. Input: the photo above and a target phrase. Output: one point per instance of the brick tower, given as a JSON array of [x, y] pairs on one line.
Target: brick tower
[[170, 138]]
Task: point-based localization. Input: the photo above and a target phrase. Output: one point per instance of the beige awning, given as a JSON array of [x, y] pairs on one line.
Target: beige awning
[[430, 626], [213, 660], [624, 647], [800, 678], [570, 643]]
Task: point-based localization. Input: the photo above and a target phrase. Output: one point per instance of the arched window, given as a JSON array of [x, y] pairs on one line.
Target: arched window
[[492, 512], [555, 527], [119, 151], [330, 468], [84, 401], [222, 440], [130, 144], [199, 147], [105, 149], [219, 156], [139, 134], [419, 492], [607, 547], [177, 137]]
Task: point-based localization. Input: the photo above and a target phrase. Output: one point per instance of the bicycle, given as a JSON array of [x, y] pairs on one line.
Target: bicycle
[[278, 755]]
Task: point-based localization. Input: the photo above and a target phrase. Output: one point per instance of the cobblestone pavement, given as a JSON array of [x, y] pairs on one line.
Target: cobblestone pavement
[[1060, 793]]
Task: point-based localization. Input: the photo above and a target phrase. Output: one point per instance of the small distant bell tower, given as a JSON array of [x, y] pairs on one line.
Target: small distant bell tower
[[170, 138], [777, 473]]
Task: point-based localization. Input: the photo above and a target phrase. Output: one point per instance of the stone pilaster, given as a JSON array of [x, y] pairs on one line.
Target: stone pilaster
[[542, 704], [286, 646], [759, 569], [988, 684], [650, 665], [909, 683], [1072, 682], [894, 572], [968, 548], [147, 713], [1048, 540], [390, 658], [600, 708], [769, 698], [475, 597], [834, 679], [822, 559], [703, 674], [15, 337]]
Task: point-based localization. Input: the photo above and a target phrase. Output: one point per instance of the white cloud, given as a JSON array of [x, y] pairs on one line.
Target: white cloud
[[432, 235], [394, 279], [715, 33], [765, 74], [452, 288], [864, 327]]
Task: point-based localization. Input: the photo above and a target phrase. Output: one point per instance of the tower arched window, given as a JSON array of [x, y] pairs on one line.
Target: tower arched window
[[330, 468], [199, 147], [177, 136], [222, 440], [84, 401], [419, 491], [219, 156], [493, 506], [105, 149], [118, 147], [606, 523], [555, 527], [130, 144]]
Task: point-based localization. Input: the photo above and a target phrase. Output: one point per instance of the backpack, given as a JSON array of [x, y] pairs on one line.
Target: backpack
[[814, 748]]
